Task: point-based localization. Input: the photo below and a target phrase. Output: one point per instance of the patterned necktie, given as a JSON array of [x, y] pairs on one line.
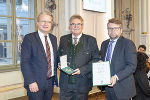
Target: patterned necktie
[[109, 51], [48, 55], [75, 41]]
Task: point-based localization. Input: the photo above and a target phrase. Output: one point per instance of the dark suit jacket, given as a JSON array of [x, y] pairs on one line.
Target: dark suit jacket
[[123, 64], [34, 63], [142, 86], [87, 54]]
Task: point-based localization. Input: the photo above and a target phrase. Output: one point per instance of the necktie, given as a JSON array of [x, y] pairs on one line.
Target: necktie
[[48, 56], [75, 41], [109, 51]]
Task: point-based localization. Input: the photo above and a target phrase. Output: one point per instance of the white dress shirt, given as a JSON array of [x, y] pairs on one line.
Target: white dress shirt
[[78, 38], [113, 46], [42, 37]]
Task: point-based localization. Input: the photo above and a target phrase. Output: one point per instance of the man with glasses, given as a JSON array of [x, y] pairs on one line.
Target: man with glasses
[[38, 59], [121, 53], [81, 51]]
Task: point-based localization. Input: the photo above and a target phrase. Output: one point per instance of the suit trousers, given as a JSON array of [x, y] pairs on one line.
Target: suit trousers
[[110, 94], [45, 93], [72, 93]]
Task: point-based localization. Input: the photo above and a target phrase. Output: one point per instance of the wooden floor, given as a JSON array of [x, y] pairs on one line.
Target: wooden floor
[[95, 96]]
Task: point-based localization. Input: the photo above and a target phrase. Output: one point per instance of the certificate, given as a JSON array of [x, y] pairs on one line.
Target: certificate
[[101, 73], [64, 67], [63, 61]]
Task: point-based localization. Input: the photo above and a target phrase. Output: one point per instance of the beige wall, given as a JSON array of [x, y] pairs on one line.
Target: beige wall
[[95, 23]]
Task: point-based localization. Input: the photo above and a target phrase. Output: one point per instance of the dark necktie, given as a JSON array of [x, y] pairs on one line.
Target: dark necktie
[[48, 55], [75, 41], [109, 51]]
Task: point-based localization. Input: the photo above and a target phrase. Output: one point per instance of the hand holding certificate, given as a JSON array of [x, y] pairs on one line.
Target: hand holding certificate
[[101, 73], [64, 66]]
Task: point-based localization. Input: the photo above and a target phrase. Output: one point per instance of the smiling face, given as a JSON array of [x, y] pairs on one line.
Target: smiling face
[[76, 26], [114, 31], [45, 23]]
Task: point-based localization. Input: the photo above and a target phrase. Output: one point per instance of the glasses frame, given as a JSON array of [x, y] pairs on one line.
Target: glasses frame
[[44, 22], [114, 28], [76, 24]]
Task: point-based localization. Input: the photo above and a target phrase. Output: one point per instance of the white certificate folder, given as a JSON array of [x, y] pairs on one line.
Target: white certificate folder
[[101, 73], [64, 67]]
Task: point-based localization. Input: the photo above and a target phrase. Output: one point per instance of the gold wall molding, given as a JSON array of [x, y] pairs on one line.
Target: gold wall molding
[[11, 87]]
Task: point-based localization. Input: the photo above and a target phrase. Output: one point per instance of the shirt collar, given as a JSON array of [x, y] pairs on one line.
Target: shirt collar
[[77, 36], [115, 40], [41, 34]]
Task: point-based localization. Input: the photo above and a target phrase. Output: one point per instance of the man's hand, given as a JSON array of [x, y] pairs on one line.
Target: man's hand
[[33, 87], [100, 61], [59, 66], [55, 86], [77, 72], [113, 81]]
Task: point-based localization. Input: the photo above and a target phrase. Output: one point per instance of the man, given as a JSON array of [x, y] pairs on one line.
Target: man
[[38, 59], [121, 53], [142, 48], [81, 51]]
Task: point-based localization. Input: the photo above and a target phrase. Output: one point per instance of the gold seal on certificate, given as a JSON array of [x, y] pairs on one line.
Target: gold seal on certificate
[[64, 66], [101, 73]]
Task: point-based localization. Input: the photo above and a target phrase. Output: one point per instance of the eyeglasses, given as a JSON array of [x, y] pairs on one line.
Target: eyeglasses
[[43, 22], [113, 29], [77, 25]]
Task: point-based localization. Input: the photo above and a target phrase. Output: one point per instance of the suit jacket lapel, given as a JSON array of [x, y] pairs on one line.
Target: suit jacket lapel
[[82, 41], [105, 48], [117, 47], [69, 42], [53, 44], [40, 44]]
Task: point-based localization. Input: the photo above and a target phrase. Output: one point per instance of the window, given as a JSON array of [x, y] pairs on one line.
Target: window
[[18, 2], [1, 1], [17, 18]]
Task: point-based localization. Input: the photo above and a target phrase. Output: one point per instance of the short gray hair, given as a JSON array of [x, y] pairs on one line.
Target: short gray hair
[[46, 13], [76, 17]]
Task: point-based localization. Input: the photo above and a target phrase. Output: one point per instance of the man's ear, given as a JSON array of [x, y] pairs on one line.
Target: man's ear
[[121, 30]]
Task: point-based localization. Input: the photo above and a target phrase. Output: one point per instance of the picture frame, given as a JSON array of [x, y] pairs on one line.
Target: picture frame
[[94, 5]]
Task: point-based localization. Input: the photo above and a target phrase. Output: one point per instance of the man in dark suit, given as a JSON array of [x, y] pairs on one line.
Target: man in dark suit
[[38, 60], [81, 51], [121, 53]]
